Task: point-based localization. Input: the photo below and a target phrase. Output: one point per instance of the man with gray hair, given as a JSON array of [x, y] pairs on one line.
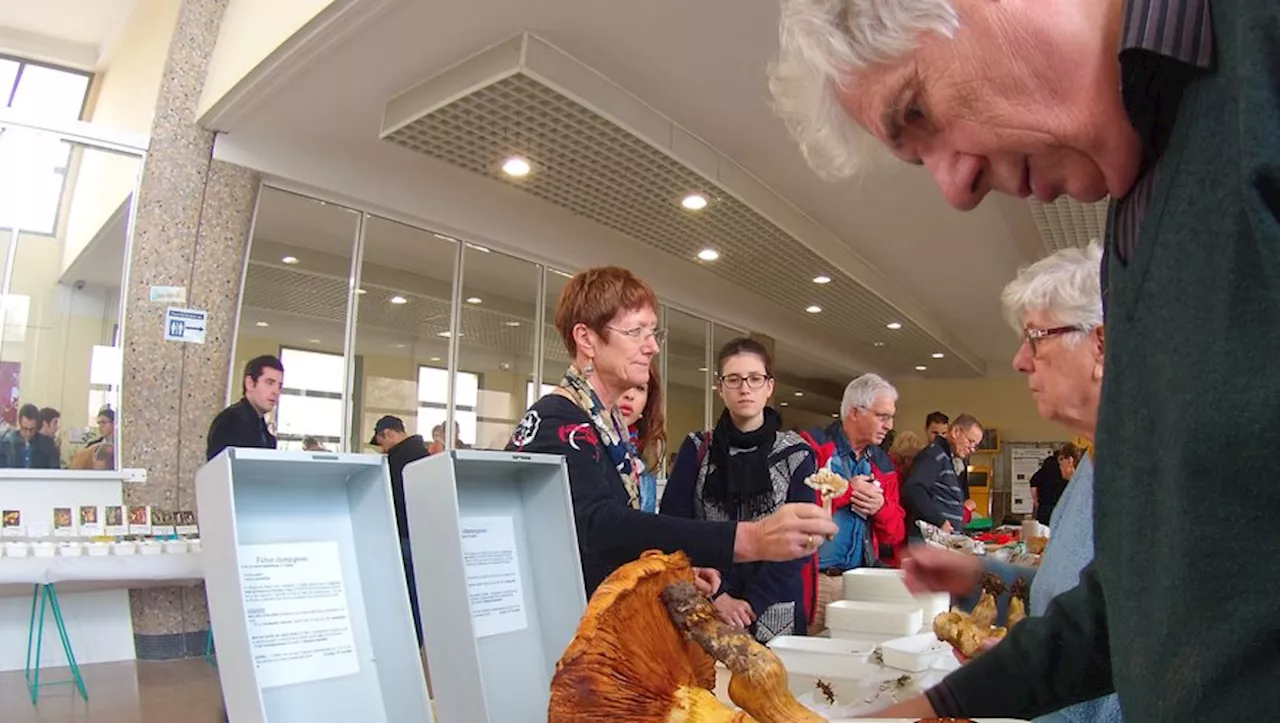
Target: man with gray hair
[[1172, 111], [868, 514]]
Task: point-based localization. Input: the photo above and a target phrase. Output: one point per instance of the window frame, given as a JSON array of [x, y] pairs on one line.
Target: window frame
[[63, 168]]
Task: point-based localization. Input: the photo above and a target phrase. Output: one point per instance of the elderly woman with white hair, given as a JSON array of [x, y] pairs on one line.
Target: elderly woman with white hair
[[1056, 306]]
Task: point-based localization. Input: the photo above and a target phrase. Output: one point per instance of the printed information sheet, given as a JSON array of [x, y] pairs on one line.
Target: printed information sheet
[[493, 575], [296, 604]]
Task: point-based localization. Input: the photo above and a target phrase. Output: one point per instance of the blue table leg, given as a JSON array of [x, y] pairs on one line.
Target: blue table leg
[[46, 596], [209, 653]]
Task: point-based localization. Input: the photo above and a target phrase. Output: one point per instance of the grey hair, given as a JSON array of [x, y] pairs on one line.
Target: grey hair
[[820, 42], [862, 392], [1066, 284]]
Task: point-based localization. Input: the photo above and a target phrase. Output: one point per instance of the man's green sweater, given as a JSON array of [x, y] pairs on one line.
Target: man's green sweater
[[1180, 611]]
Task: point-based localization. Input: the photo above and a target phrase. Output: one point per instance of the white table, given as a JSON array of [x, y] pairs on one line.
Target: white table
[[86, 598]]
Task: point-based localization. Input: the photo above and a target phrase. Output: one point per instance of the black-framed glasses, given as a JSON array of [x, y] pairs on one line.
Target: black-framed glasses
[[1032, 336], [753, 381], [641, 334]]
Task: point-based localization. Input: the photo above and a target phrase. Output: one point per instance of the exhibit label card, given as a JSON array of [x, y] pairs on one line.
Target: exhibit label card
[[493, 575], [296, 603]]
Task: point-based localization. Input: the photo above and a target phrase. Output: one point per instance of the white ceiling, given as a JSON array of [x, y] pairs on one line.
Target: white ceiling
[[78, 33], [700, 64]]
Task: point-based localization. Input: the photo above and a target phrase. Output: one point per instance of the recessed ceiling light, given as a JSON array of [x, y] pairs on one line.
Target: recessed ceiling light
[[702, 369], [442, 237], [783, 404], [361, 291], [938, 355], [434, 358], [313, 341], [516, 167], [481, 249], [511, 323], [694, 202], [263, 323], [814, 309], [399, 300], [921, 368], [822, 279], [289, 260], [878, 343], [400, 346], [835, 416], [474, 300], [893, 325], [446, 335], [799, 394], [708, 254]]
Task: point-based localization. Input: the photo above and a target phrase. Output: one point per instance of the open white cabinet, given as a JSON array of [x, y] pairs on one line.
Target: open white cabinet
[[306, 588], [495, 554]]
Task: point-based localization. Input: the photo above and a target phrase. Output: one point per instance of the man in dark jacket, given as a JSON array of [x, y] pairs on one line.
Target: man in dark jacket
[[1170, 107], [935, 493], [244, 423], [401, 448], [25, 447]]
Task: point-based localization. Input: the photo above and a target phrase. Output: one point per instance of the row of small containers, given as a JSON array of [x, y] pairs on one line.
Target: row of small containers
[[878, 612]]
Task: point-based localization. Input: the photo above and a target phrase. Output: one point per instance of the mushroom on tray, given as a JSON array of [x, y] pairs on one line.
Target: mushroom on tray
[[644, 653]]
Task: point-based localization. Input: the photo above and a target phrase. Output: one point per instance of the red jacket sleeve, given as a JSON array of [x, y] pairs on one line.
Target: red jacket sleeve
[[889, 525]]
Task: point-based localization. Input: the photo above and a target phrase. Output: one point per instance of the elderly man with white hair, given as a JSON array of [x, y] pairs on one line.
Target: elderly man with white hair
[[1056, 307], [1171, 108], [869, 515]]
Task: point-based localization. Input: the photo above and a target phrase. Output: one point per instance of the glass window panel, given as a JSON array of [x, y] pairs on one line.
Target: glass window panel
[[60, 317], [33, 172], [687, 376], [499, 305], [555, 359], [8, 74], [312, 371], [294, 306], [402, 328], [50, 92]]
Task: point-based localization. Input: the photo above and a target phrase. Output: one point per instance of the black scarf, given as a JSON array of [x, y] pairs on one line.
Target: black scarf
[[740, 483]]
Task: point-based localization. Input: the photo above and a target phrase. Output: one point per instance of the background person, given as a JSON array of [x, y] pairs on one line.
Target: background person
[[244, 423]]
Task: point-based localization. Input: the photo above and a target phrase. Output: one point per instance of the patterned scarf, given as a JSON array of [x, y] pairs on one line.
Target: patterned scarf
[[611, 429]]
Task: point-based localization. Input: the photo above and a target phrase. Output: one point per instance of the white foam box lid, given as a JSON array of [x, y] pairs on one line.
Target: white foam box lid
[[822, 657], [914, 654], [876, 583], [883, 618]]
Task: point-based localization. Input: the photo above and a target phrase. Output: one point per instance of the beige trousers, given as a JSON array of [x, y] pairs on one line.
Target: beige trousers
[[830, 589]]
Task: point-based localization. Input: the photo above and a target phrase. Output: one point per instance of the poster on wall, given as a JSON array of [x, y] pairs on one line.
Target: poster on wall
[[1026, 462]]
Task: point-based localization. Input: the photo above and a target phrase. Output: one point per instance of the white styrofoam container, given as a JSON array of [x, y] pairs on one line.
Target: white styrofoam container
[[933, 605], [124, 547], [876, 583], [822, 657], [97, 549], [150, 547], [915, 653], [175, 547], [882, 618], [44, 549], [16, 549], [71, 549]]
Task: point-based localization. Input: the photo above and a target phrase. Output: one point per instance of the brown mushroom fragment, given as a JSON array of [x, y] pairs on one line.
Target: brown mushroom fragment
[[628, 662], [759, 682]]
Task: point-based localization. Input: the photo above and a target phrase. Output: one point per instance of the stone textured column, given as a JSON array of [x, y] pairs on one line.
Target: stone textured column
[[192, 228]]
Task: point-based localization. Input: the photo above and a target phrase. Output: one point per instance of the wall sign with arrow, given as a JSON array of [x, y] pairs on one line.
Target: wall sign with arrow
[[185, 325]]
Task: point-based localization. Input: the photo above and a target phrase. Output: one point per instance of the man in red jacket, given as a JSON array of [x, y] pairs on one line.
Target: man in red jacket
[[871, 521]]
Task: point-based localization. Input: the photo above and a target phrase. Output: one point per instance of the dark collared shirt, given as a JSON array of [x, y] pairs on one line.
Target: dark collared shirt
[[1155, 33]]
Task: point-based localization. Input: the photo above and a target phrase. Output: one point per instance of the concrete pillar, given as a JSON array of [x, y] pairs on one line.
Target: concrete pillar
[[192, 230]]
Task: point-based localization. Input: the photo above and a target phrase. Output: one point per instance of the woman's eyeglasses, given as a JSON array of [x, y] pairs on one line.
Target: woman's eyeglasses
[[753, 381], [1033, 336], [641, 334]]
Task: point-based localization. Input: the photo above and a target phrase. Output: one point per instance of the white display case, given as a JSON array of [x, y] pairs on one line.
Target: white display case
[[495, 555], [306, 588]]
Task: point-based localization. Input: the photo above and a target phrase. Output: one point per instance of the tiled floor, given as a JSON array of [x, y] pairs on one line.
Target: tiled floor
[[132, 692]]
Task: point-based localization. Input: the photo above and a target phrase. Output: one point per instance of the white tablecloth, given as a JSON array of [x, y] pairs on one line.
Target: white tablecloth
[[109, 572]]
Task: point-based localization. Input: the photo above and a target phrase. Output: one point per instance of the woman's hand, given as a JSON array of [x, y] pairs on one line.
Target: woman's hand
[[706, 580], [734, 612], [929, 569], [793, 531]]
